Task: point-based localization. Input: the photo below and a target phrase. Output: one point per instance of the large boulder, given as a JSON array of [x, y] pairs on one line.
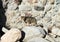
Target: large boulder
[[11, 36]]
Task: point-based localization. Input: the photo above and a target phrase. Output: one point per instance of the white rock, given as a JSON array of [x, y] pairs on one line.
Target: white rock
[[43, 2], [56, 31], [11, 36], [32, 31], [49, 38], [12, 6], [10, 1], [56, 20], [37, 39], [13, 19], [57, 39], [24, 8], [57, 24], [4, 30], [48, 7], [37, 14]]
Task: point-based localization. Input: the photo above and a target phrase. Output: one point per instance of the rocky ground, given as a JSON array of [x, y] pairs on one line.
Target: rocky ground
[[31, 21]]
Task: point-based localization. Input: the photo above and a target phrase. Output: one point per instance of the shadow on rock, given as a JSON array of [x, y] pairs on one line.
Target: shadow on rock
[[23, 36], [2, 18]]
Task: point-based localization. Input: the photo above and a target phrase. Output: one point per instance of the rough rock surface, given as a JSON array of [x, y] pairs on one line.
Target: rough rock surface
[[46, 12], [37, 39], [32, 32]]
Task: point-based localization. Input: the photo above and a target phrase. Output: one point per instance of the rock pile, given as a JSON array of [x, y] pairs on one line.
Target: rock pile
[[44, 26]]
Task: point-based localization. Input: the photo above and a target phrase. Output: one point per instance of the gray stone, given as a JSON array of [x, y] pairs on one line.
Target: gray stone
[[48, 7], [39, 8], [56, 31], [57, 1]]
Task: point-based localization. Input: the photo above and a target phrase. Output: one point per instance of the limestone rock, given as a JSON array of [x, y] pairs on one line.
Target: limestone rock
[[48, 7], [12, 6], [11, 36], [32, 31], [25, 8], [43, 2], [13, 18], [56, 31], [49, 38], [51, 1], [4, 30], [37, 39]]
